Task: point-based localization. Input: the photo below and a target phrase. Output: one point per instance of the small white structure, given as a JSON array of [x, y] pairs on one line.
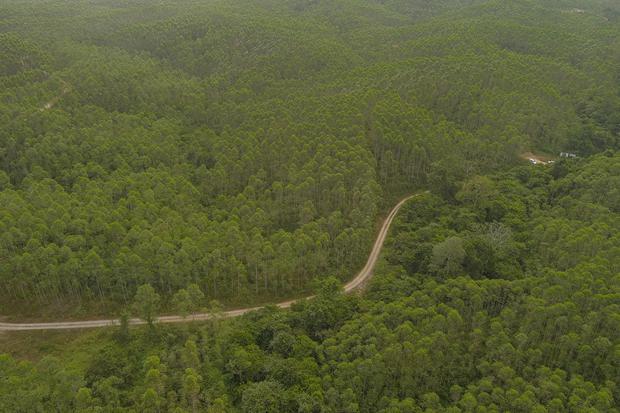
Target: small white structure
[[568, 155]]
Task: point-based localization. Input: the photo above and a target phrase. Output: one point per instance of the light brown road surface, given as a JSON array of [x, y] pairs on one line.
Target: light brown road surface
[[359, 280]]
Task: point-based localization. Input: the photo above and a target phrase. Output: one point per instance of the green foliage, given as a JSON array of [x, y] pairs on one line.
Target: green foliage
[[448, 256], [20, 56], [263, 397], [247, 148], [184, 152], [529, 323], [146, 303], [182, 303]]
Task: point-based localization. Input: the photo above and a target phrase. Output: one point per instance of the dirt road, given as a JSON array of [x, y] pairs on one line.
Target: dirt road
[[352, 285]]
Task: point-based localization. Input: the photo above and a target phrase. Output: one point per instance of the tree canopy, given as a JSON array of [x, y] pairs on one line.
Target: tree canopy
[[181, 155], [249, 147]]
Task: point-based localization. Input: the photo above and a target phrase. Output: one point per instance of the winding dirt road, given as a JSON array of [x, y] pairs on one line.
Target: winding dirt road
[[352, 285]]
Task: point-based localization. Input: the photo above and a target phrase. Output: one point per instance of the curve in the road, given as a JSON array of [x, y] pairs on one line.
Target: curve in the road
[[352, 285]]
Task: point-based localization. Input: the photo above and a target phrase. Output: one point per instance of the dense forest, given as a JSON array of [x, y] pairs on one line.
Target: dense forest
[[505, 299], [249, 148], [182, 156]]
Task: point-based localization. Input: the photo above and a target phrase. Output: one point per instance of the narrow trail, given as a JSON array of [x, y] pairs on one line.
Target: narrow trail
[[359, 280], [66, 88]]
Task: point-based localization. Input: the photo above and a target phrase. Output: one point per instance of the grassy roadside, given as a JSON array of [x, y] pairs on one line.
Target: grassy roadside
[[72, 346]]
